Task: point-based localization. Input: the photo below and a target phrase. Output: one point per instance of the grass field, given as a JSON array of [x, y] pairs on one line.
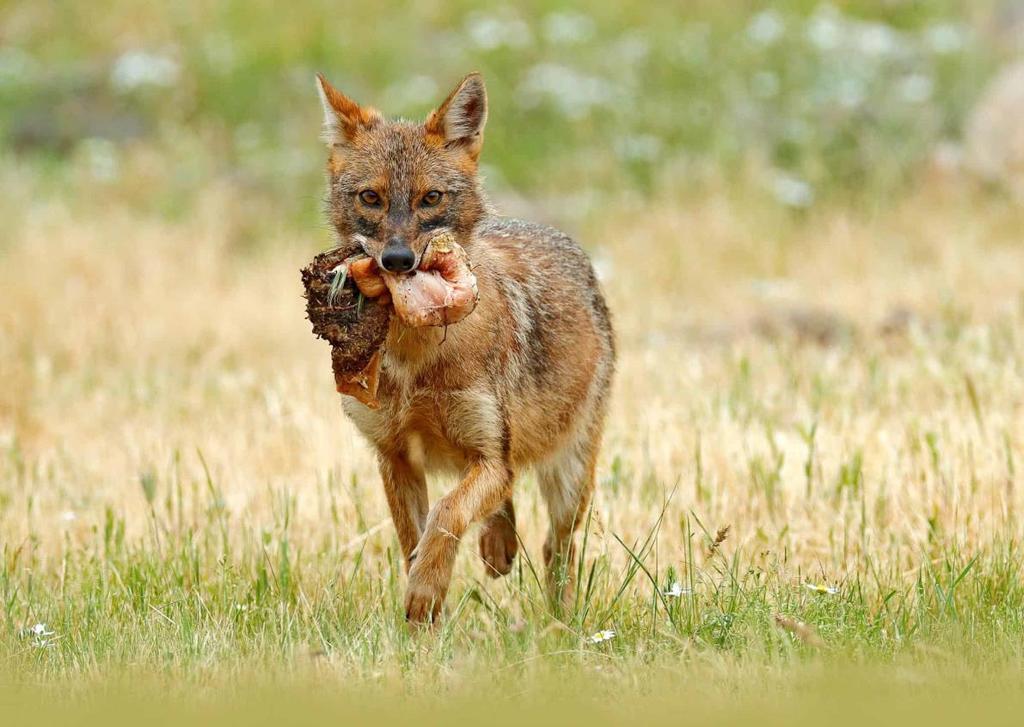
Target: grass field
[[183, 493], [811, 467]]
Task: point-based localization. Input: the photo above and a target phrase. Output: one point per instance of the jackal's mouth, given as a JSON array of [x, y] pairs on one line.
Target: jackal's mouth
[[440, 291]]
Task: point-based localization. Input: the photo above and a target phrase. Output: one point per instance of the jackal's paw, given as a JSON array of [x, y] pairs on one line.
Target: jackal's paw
[[498, 545], [422, 602]]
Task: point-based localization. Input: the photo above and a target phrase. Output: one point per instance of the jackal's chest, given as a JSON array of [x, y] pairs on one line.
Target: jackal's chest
[[441, 428]]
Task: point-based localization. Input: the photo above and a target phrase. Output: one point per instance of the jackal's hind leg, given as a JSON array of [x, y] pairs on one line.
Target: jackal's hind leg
[[498, 541], [567, 484]]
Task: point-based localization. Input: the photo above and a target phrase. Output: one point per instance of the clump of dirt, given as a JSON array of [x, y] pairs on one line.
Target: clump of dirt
[[349, 301], [353, 324]]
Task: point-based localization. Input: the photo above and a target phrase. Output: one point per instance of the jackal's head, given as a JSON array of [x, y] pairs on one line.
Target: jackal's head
[[395, 184]]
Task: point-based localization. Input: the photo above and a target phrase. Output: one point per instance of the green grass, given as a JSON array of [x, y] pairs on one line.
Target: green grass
[[186, 600]]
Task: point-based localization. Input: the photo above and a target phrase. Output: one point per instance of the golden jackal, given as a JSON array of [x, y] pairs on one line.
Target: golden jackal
[[521, 383]]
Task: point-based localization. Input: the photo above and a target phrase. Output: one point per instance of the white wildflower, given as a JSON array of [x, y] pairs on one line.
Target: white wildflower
[[878, 40], [945, 38], [631, 48], [417, 90], [16, 66], [489, 32], [135, 69], [563, 28], [40, 634], [821, 588], [851, 92], [916, 88], [69, 516], [766, 27], [101, 157], [677, 590], [792, 191], [825, 30], [601, 636], [574, 93], [639, 147]]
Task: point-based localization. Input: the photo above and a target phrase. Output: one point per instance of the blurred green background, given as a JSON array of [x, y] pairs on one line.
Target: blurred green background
[[800, 101]]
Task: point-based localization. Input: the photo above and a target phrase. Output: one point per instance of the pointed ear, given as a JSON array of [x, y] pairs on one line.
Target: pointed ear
[[460, 119], [343, 117]]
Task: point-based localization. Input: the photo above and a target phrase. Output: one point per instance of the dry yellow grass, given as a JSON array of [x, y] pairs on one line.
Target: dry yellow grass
[[129, 344]]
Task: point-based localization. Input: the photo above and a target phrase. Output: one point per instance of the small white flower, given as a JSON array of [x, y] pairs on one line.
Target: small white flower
[[916, 88], [946, 37], [101, 157], [639, 147], [574, 93], [821, 588], [69, 516], [766, 27], [601, 636], [878, 40], [489, 32], [40, 634], [677, 590], [135, 69], [418, 89], [563, 28], [792, 191], [825, 30]]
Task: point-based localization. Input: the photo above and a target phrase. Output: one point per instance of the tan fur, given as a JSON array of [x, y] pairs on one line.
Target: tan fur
[[520, 383]]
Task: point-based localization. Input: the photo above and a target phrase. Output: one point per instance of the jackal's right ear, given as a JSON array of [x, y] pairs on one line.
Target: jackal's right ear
[[343, 117]]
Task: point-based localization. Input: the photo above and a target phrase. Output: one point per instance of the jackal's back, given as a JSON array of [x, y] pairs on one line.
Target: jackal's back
[[560, 356]]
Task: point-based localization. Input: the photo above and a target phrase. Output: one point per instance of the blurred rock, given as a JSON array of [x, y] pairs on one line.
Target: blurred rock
[[994, 135], [59, 110], [805, 324], [60, 127], [897, 322]]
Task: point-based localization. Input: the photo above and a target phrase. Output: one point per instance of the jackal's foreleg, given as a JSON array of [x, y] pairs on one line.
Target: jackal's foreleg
[[486, 485], [405, 487]]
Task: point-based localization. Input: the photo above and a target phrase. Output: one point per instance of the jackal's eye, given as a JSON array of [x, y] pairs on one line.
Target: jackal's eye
[[369, 197], [432, 198]]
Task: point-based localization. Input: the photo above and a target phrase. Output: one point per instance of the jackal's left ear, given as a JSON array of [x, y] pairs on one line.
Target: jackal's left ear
[[460, 119], [343, 117]]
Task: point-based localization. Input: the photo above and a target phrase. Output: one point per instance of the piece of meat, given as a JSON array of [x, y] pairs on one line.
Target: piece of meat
[[440, 292], [366, 274], [349, 301]]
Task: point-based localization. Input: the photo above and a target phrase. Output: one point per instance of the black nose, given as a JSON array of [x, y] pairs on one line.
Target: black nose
[[397, 258]]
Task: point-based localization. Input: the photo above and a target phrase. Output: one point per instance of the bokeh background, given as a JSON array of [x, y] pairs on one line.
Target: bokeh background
[[804, 101], [808, 220]]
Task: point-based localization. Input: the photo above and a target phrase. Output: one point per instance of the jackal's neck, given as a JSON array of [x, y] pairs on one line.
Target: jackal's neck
[[412, 347]]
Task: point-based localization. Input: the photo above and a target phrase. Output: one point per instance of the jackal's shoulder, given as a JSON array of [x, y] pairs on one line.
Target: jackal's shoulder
[[541, 244], [549, 268]]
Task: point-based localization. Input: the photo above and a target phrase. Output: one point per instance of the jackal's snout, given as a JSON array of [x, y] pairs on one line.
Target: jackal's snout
[[397, 256]]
